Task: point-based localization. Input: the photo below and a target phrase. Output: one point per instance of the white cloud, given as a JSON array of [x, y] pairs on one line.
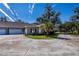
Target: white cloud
[[31, 8], [6, 15], [8, 7]]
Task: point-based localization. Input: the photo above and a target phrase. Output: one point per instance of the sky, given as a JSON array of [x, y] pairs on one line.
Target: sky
[[29, 12]]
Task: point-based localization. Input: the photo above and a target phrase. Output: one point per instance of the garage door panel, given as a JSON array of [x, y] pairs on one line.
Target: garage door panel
[[2, 31], [15, 31]]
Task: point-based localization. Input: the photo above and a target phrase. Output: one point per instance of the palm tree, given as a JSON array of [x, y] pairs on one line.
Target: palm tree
[[47, 27]]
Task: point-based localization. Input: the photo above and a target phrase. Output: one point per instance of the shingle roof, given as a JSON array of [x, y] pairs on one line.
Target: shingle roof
[[34, 25], [12, 24], [8, 24]]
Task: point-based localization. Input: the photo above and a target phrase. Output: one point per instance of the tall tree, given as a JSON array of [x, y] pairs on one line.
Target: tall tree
[[49, 18], [3, 19], [19, 21], [75, 17]]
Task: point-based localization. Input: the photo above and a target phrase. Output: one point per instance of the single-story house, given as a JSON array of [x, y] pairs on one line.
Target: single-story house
[[33, 29], [7, 27]]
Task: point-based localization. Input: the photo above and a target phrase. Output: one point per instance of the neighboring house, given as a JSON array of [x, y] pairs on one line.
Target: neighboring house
[[18, 28]]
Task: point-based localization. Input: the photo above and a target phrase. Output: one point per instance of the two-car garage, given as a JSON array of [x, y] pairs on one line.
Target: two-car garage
[[11, 28], [11, 31]]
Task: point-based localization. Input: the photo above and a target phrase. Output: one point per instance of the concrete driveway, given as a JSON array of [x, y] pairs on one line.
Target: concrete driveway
[[18, 45]]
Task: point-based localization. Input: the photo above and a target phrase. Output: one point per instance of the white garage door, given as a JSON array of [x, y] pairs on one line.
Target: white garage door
[[15, 31], [2, 31]]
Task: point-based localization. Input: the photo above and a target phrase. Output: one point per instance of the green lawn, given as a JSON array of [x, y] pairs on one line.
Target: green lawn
[[42, 36]]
